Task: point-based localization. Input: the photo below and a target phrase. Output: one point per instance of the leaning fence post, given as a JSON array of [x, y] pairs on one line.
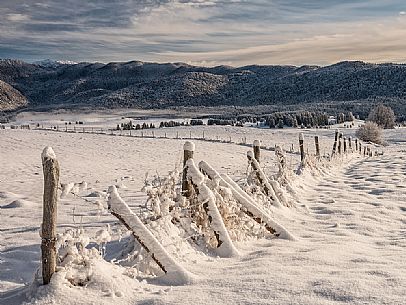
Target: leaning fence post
[[257, 150], [50, 167], [188, 150], [316, 142], [301, 146]]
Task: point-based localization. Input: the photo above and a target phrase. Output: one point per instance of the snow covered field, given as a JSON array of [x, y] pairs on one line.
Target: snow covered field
[[348, 216]]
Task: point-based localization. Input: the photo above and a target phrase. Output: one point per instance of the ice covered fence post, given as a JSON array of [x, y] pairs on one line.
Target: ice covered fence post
[[316, 142], [335, 142], [301, 146], [50, 167], [188, 150], [257, 150]]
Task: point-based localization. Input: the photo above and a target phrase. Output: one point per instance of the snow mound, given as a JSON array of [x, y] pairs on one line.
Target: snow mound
[[18, 203], [96, 194]]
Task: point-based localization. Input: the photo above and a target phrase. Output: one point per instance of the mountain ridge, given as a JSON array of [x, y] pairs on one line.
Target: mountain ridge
[[137, 84]]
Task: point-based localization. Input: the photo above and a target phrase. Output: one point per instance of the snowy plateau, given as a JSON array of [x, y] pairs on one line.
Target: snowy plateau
[[330, 229]]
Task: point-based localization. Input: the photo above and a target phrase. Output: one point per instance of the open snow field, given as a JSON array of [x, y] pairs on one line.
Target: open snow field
[[349, 219]]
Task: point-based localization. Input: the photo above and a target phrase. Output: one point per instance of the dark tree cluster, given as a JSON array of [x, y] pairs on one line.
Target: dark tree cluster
[[171, 124], [131, 126], [196, 122], [290, 119], [221, 122]]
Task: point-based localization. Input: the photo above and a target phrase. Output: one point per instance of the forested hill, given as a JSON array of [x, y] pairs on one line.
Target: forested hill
[[153, 85]]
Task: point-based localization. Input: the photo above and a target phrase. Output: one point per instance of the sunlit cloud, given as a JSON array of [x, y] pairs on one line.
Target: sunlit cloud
[[231, 32]]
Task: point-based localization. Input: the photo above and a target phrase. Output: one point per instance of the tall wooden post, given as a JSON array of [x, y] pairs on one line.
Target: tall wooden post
[[188, 150], [335, 142], [345, 144], [365, 150], [316, 142], [356, 145], [340, 136], [50, 167], [257, 150], [301, 146], [349, 143], [360, 147]]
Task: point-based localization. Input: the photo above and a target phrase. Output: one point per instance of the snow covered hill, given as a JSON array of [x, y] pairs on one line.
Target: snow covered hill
[[138, 84]]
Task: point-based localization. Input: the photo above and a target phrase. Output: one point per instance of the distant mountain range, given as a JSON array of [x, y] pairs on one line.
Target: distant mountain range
[[50, 84]]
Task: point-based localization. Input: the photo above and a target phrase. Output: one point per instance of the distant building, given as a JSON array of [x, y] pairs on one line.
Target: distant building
[[332, 120]]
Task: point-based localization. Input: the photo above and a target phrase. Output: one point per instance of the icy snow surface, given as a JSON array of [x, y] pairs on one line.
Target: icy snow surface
[[349, 220]]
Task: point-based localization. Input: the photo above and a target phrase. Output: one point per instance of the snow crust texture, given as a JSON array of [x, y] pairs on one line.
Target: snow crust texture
[[348, 221]]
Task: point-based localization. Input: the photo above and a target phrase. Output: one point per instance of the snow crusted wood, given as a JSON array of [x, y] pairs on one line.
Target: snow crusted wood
[[174, 273], [263, 180], [257, 150], [249, 206], [335, 142], [188, 150], [225, 246], [50, 167], [316, 142], [301, 147]]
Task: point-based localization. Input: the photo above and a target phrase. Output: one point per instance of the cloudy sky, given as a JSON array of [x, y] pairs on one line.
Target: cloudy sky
[[230, 32]]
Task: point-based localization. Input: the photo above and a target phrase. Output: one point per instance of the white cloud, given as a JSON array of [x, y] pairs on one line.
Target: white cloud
[[17, 17]]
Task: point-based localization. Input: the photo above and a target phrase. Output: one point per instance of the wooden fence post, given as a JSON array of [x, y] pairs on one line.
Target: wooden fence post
[[301, 146], [316, 142], [188, 150], [345, 144], [365, 150], [349, 143], [356, 144], [257, 150], [335, 142], [360, 147], [50, 167], [340, 136]]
